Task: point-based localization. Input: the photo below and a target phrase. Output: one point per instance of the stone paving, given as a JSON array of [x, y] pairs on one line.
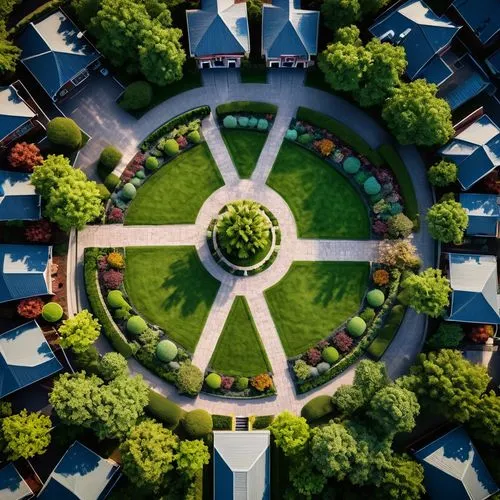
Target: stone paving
[[286, 90]]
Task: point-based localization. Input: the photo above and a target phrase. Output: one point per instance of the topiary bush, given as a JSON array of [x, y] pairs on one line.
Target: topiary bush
[[323, 367], [52, 312], [305, 139], [262, 124], [241, 383], [104, 193], [189, 379], [252, 122], [166, 351], [367, 315], [137, 95], [371, 186], [129, 191], [243, 121], [213, 380], [111, 181], [230, 121], [64, 132], [194, 137], [291, 135], [356, 326], [115, 300], [375, 297], [351, 165], [152, 163], [317, 408], [330, 354], [110, 157], [170, 147], [197, 424], [136, 325]]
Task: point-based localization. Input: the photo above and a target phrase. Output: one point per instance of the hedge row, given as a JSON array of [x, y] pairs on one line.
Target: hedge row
[[164, 410], [262, 422], [35, 14], [260, 108], [164, 129], [395, 163], [151, 362], [342, 132], [317, 408], [110, 330], [387, 333], [222, 422]]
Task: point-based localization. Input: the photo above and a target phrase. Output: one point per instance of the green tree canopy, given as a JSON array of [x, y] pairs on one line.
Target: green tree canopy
[[416, 116], [486, 420], [290, 432], [427, 292], [401, 480], [9, 53], [348, 35], [113, 365], [348, 399], [447, 221], [305, 479], [339, 13], [191, 457], [79, 332], [447, 336], [443, 173], [85, 10], [370, 377]]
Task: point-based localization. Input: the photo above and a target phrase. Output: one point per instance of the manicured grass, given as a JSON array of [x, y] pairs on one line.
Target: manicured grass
[[313, 299], [239, 351], [175, 194], [324, 203], [170, 287], [244, 146]]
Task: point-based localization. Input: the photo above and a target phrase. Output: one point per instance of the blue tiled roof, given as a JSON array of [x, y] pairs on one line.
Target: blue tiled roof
[[437, 71], [474, 283], [493, 62], [475, 150], [220, 27], [25, 358], [425, 34], [18, 200], [288, 30], [12, 485], [483, 212], [53, 52], [81, 474], [23, 271], [482, 16], [453, 469], [14, 112], [466, 90]]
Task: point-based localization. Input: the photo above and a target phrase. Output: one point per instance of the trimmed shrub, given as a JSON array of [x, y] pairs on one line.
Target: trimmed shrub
[[317, 408], [194, 137], [115, 300], [104, 193], [170, 147], [25, 156], [262, 124], [356, 326], [305, 139], [330, 355], [323, 367], [367, 315], [291, 135], [375, 297], [197, 424], [342, 342], [243, 121], [372, 186], [301, 369], [252, 122], [111, 181], [381, 277], [263, 108], [166, 351], [52, 312], [110, 157], [136, 325], [399, 226], [189, 379], [230, 121], [64, 132], [222, 422], [164, 410], [30, 308], [152, 163], [128, 192], [112, 279], [115, 260], [241, 383], [313, 371], [213, 380], [136, 182], [351, 165], [137, 95], [262, 422]]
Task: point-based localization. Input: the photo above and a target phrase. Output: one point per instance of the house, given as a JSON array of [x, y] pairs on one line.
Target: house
[[475, 150], [25, 271], [81, 474], [17, 118], [18, 199], [57, 54], [25, 358], [484, 214], [289, 34], [12, 484], [474, 284], [218, 33], [482, 18], [454, 469], [242, 465]]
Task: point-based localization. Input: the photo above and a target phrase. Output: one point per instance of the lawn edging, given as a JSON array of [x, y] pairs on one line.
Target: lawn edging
[[252, 107]]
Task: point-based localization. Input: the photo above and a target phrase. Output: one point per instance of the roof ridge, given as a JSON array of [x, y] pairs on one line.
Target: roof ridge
[[297, 31]]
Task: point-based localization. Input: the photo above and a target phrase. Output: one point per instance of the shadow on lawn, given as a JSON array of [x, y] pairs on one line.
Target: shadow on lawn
[[331, 287]]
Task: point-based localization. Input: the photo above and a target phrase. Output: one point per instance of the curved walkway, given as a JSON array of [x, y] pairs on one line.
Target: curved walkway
[[282, 91]]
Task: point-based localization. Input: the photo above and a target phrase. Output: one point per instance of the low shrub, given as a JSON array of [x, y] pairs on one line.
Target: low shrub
[[170, 147], [222, 423], [137, 95], [104, 193], [252, 122], [230, 121], [447, 336], [166, 351], [64, 132], [305, 139], [312, 356], [249, 107], [386, 333], [367, 315], [30, 308], [25, 156], [136, 325], [317, 408], [330, 354], [194, 137], [243, 121], [261, 382], [213, 380], [291, 135], [301, 369], [375, 297], [128, 192], [115, 260], [342, 342], [197, 423], [152, 163], [112, 279], [399, 226], [39, 231], [356, 326], [381, 277], [372, 186], [164, 410], [111, 181], [189, 379], [262, 422], [351, 165], [52, 312], [109, 158], [241, 383], [323, 367], [116, 300], [262, 124]]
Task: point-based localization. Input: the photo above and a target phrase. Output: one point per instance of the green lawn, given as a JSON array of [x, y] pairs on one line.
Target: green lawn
[[170, 287], [175, 194], [239, 351], [244, 146], [324, 203], [313, 299]]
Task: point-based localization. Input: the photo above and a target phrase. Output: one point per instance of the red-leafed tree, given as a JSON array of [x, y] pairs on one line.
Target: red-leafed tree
[[25, 156], [480, 334], [39, 232], [30, 308]]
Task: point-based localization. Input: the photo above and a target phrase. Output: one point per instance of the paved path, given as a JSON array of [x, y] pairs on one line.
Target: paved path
[[286, 90]]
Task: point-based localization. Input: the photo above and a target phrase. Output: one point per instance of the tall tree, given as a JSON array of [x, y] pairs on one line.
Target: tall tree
[[402, 479], [291, 433], [339, 13], [447, 221], [191, 457], [9, 53], [86, 10], [305, 479], [79, 332], [487, 418]]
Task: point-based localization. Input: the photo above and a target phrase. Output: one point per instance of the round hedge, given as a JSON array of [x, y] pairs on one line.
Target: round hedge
[[140, 174], [330, 354], [291, 134], [194, 137], [137, 95], [356, 326], [371, 186], [351, 165], [197, 424], [241, 383], [262, 124], [252, 122], [52, 312], [305, 139], [110, 157], [152, 163], [171, 148], [243, 121], [115, 299], [213, 380], [136, 325], [323, 367], [230, 121], [111, 181], [135, 181], [317, 408], [104, 193], [166, 351], [189, 379], [64, 132], [129, 191], [375, 297]]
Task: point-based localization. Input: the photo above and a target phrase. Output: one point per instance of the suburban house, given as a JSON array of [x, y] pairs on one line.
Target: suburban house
[[57, 54], [13, 485], [81, 474], [475, 150], [218, 33], [289, 34], [484, 214], [242, 465], [18, 199], [474, 284], [454, 469], [481, 17], [427, 39], [25, 271], [25, 358]]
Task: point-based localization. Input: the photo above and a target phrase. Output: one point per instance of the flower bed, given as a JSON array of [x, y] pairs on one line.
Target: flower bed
[[260, 386], [349, 342]]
